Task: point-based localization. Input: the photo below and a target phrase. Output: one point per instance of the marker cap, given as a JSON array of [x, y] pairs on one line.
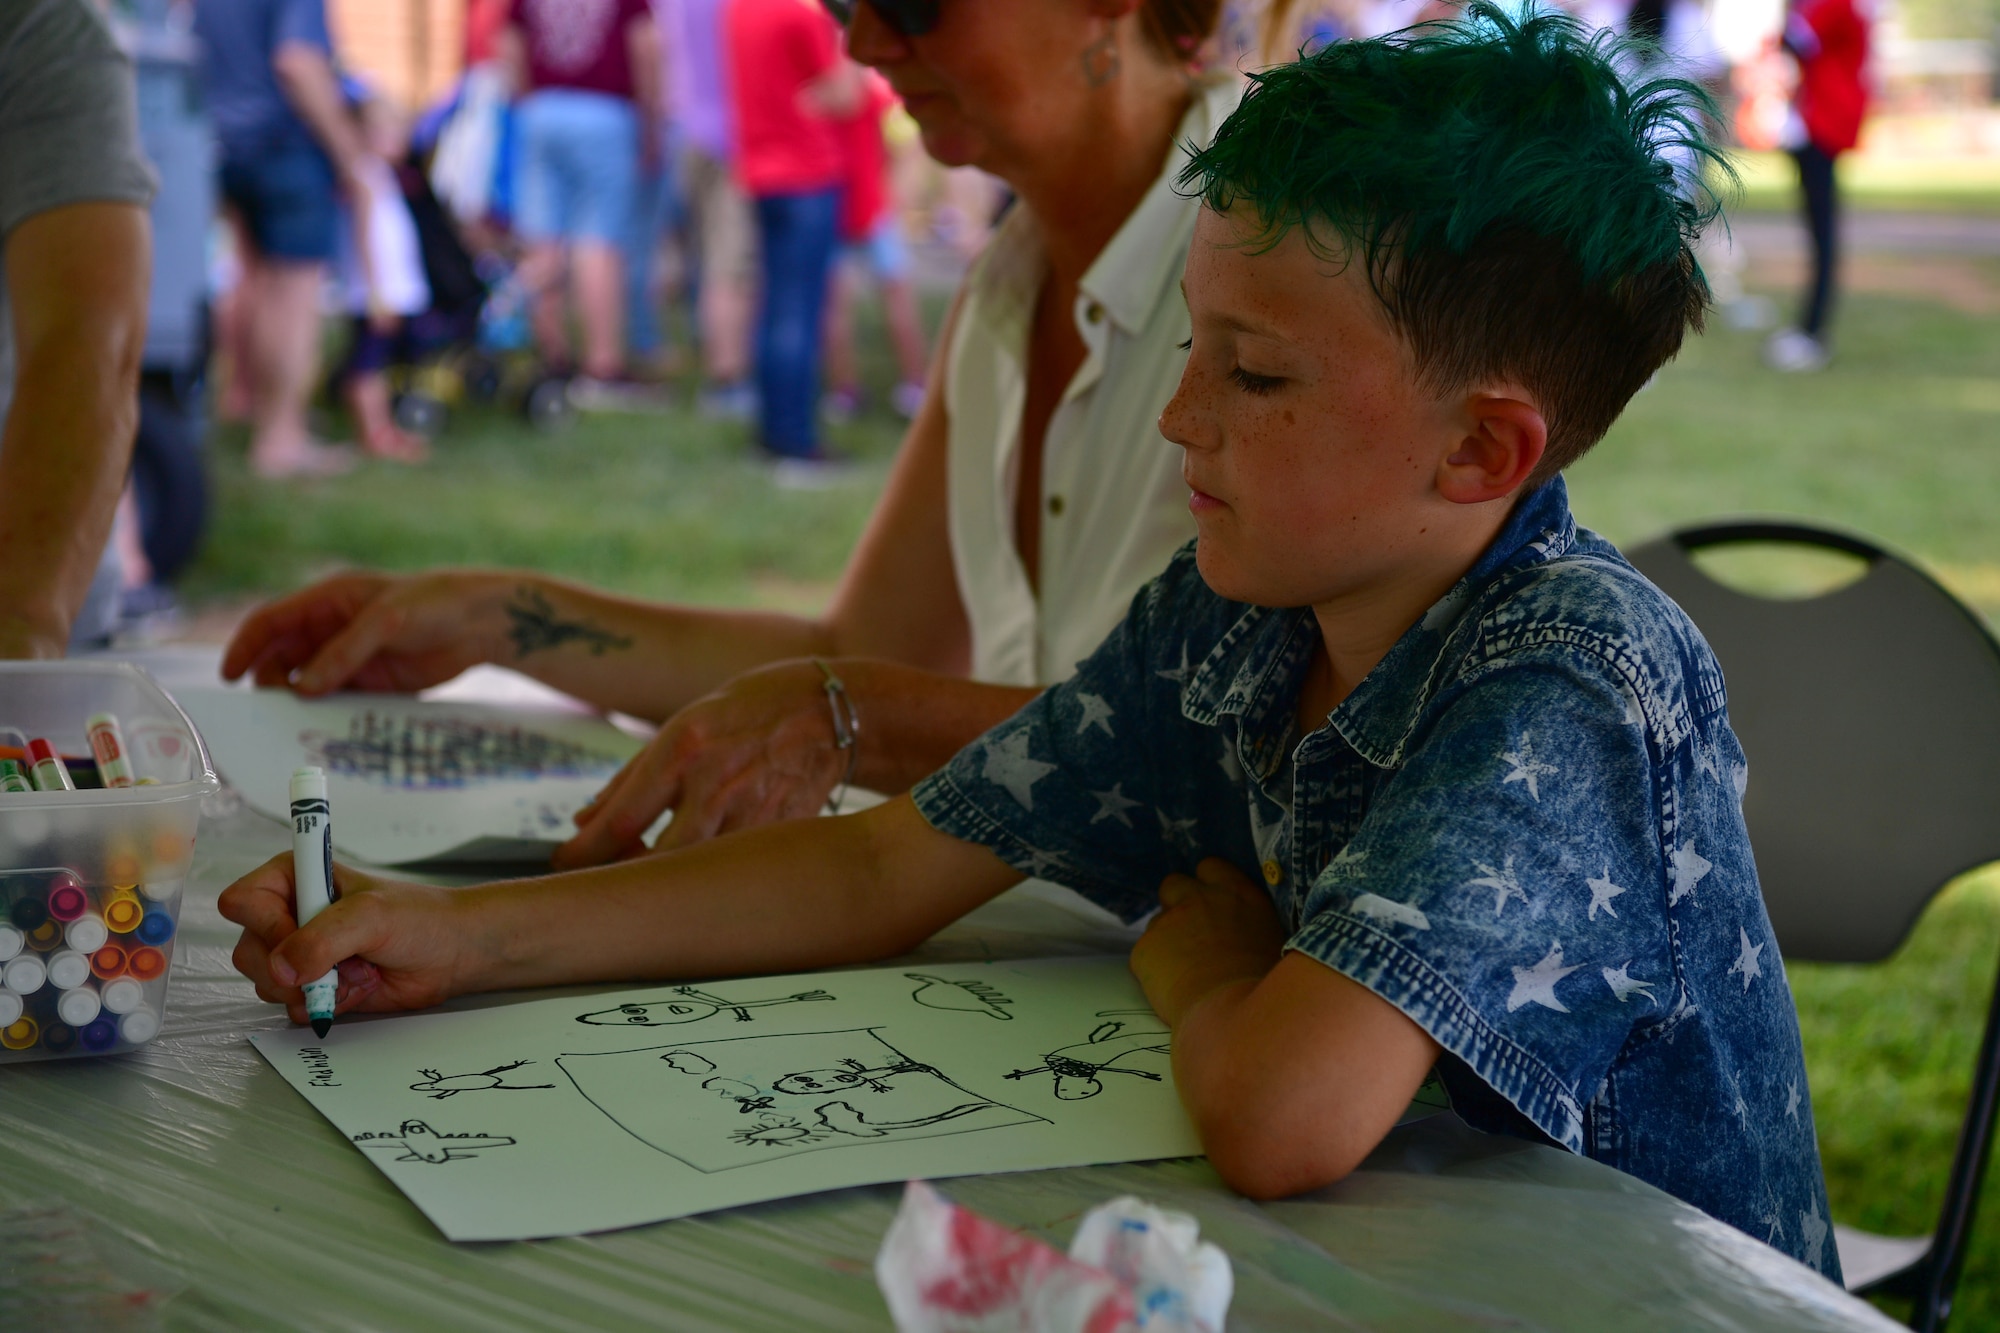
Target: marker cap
[[68, 901], [139, 1026], [157, 928], [77, 1007], [160, 890], [123, 911], [50, 773], [25, 975], [27, 913], [87, 933], [100, 1035], [46, 936], [12, 941], [12, 1007], [20, 1034], [146, 964], [58, 1037], [110, 961], [13, 778], [122, 996], [68, 970]]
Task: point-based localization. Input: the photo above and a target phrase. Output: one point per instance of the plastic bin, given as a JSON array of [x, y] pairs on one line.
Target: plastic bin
[[90, 880]]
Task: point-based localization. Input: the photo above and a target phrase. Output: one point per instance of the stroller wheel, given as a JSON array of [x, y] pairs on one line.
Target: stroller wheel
[[481, 375], [546, 404], [420, 414]]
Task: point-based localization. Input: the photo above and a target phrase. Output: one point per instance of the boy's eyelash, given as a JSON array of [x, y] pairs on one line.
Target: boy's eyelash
[[1251, 382], [1186, 346]]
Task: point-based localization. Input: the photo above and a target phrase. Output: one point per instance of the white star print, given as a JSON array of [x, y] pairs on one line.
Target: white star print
[[1096, 713], [1377, 908], [1739, 777], [1113, 804], [1688, 868], [1706, 762], [1792, 1099], [1176, 831], [1746, 961], [1812, 1229], [1624, 985], [1040, 863], [1772, 1221], [1347, 862], [1526, 768], [1501, 881], [1178, 675], [1009, 765], [1537, 984], [1602, 891]]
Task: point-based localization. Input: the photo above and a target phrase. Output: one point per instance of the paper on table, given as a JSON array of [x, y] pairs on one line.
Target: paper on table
[[413, 781], [556, 1117]]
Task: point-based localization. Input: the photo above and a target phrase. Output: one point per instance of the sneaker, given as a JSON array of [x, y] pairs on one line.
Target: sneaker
[[810, 474], [840, 406], [1794, 352], [727, 402], [907, 398]]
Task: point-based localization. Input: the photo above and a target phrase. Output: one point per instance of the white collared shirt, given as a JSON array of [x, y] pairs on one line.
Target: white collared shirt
[[1114, 507]]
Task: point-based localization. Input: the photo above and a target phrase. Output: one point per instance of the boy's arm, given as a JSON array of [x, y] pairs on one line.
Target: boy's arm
[[1291, 1072], [810, 894]]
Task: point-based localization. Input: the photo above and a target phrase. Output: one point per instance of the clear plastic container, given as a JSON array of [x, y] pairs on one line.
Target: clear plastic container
[[90, 880]]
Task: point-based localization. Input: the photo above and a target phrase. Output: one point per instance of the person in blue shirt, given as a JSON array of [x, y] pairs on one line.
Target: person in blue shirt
[[1419, 775]]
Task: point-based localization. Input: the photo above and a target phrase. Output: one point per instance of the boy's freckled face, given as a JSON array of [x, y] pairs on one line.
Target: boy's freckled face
[[1311, 451]]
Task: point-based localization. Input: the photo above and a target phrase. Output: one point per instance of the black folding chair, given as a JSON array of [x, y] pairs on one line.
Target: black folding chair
[[1871, 718]]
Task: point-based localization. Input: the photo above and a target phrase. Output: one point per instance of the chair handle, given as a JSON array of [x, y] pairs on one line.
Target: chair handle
[[1797, 534]]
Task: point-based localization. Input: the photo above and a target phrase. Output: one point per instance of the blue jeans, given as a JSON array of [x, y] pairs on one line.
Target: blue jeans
[[578, 168], [288, 200], [796, 237], [653, 203]]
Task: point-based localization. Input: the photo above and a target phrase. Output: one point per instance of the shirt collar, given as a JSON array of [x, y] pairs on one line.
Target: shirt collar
[[1134, 272], [1252, 672]]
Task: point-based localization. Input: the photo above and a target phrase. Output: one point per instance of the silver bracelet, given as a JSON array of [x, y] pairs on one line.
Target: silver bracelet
[[846, 728]]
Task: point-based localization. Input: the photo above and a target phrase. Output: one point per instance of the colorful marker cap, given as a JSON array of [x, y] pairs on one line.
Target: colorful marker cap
[[139, 1027], [100, 1035], [68, 901], [68, 969], [25, 975], [14, 779], [21, 1034], [12, 1007], [77, 1007], [158, 927], [123, 911], [12, 941], [27, 913], [146, 964], [122, 996], [46, 936], [122, 868], [87, 934], [58, 1037], [107, 746], [110, 961], [47, 766], [161, 890]]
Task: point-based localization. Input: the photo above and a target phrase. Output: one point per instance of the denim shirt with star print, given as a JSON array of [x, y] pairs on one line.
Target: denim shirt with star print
[[1523, 829]]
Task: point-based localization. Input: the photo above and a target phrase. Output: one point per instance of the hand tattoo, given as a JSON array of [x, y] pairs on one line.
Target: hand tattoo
[[536, 627]]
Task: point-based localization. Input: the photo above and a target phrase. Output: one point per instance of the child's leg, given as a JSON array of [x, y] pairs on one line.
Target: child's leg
[[843, 368], [364, 388]]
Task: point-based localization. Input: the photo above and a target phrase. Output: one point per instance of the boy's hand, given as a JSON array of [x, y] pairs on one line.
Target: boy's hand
[[398, 946], [1215, 928]]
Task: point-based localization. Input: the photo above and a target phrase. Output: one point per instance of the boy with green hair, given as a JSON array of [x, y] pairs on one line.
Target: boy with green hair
[[1479, 770]]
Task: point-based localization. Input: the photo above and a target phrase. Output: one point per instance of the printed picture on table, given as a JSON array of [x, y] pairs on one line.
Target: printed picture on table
[[759, 1097], [1114, 1047], [687, 1004]]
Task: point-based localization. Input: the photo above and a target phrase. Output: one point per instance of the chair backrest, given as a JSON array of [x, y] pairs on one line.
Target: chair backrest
[[1871, 719]]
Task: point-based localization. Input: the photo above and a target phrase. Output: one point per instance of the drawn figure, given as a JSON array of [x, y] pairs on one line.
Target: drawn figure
[[689, 1005], [393, 750], [440, 1086], [421, 1143], [736, 1101], [970, 997], [1104, 1051]]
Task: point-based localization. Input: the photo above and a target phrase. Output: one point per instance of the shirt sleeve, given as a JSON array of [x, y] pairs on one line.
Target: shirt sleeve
[[69, 131], [301, 23], [1070, 788], [1508, 890]]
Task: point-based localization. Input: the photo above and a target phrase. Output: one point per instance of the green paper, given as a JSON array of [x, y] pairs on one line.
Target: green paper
[[563, 1116]]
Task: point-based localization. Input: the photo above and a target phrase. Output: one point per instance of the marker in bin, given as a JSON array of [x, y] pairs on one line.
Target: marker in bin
[[312, 876], [47, 766], [14, 778], [107, 745]]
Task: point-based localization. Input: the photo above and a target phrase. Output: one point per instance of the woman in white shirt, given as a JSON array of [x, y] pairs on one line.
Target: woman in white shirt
[[1032, 498]]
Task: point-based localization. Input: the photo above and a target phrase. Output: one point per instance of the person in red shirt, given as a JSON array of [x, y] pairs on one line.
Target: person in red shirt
[[790, 85], [588, 75], [1829, 39]]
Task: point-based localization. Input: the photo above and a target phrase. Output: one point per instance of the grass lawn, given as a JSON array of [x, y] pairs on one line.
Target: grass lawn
[[1900, 440]]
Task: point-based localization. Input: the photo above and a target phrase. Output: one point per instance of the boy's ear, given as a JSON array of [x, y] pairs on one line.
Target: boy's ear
[[1502, 448]]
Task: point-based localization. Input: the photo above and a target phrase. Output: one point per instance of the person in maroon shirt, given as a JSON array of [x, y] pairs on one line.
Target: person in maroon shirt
[[587, 75]]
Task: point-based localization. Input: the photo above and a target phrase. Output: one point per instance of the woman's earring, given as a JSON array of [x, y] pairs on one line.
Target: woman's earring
[[1100, 61]]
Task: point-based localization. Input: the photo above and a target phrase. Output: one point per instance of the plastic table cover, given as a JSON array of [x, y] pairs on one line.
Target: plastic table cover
[[186, 1186]]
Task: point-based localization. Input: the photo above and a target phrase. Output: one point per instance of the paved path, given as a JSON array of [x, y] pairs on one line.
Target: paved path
[[1869, 232]]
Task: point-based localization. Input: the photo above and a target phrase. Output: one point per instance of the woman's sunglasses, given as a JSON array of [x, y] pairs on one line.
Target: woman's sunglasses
[[910, 18]]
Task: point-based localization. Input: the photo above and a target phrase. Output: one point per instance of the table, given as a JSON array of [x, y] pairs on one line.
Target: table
[[185, 1186]]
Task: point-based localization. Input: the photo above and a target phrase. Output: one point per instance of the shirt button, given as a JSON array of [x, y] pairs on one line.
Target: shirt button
[[1273, 872], [1094, 313], [1056, 505]]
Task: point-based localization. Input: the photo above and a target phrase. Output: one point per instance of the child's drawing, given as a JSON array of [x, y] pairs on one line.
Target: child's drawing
[[688, 1005], [971, 997], [798, 1092], [441, 1086], [1107, 1050], [421, 1143], [397, 750]]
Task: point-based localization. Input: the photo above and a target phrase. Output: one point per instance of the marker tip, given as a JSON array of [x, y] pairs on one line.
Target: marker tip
[[322, 1026]]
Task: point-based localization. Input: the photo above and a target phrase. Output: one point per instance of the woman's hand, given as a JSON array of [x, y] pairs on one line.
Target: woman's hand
[[758, 750], [1215, 928], [397, 945], [374, 632]]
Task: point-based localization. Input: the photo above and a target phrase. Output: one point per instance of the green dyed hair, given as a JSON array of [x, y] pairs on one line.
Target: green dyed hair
[[1523, 212]]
